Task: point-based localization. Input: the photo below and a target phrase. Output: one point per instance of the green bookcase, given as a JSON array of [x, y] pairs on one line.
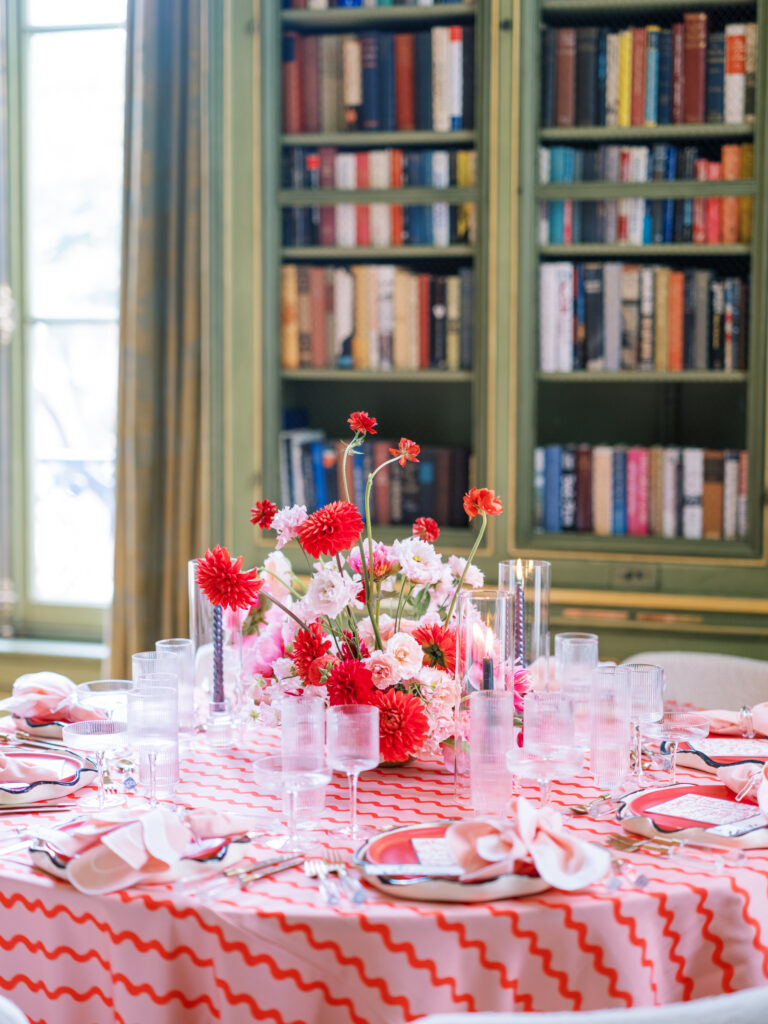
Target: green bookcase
[[639, 592]]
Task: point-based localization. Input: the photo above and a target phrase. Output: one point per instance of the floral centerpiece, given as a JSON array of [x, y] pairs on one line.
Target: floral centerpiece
[[365, 622]]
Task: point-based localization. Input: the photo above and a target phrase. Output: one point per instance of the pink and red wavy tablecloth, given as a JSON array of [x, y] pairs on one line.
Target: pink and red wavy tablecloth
[[277, 953]]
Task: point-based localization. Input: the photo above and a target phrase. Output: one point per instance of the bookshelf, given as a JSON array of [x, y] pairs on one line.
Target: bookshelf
[[637, 591]]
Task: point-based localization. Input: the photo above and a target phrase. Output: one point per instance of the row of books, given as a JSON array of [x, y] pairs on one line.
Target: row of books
[[380, 225], [379, 81], [328, 167], [660, 162], [696, 493], [622, 316], [711, 220], [311, 474], [380, 317], [323, 5], [649, 75]]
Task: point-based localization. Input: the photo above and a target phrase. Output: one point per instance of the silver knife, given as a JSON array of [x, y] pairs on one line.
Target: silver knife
[[412, 870]]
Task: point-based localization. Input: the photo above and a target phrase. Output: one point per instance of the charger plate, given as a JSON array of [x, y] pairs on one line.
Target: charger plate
[[396, 847], [705, 812], [713, 752], [60, 773], [41, 730]]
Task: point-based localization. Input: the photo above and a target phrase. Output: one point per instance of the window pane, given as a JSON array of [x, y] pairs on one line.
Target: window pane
[[74, 173], [44, 13], [72, 403]]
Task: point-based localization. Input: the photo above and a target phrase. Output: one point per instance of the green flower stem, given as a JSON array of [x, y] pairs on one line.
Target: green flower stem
[[401, 603], [288, 586], [466, 567], [288, 611]]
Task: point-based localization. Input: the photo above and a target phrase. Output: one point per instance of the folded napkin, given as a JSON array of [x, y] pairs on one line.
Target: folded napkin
[[19, 769], [728, 723], [118, 848], [47, 697], [487, 848], [736, 776]]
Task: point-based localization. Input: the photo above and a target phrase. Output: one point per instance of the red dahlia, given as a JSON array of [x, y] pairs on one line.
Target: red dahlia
[[426, 529], [221, 581], [439, 645], [309, 644], [262, 513], [482, 499], [350, 682], [362, 423], [333, 528], [403, 724], [406, 451]]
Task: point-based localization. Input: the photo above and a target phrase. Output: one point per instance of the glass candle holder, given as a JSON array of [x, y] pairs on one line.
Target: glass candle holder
[[530, 581]]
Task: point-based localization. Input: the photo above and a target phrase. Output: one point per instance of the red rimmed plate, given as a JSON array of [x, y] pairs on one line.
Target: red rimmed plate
[[421, 846], [702, 812], [715, 752], [40, 730], [58, 774]]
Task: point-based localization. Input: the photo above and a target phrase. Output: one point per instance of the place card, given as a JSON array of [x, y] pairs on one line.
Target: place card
[[708, 810], [432, 850], [727, 746]]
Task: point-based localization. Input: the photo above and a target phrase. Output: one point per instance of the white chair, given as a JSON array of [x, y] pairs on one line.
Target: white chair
[[747, 1007], [709, 680], [10, 1013]]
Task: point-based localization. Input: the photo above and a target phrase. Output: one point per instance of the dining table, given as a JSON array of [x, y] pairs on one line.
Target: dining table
[[659, 929]]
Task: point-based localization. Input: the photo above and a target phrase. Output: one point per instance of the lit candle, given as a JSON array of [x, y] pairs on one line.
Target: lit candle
[[488, 660], [519, 616]]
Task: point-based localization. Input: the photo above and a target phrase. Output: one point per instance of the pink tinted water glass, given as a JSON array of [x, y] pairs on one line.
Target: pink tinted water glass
[[646, 688], [492, 734], [610, 733], [353, 747], [550, 749]]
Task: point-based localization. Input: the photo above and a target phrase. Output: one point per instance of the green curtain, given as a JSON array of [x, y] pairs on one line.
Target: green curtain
[[162, 479]]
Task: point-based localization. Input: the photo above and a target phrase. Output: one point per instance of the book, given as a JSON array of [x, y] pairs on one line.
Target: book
[[565, 77], [291, 82], [612, 326], [678, 63], [352, 81], [734, 93], [317, 342], [670, 493], [745, 202], [387, 80], [646, 357], [651, 106], [310, 83], [730, 493], [568, 485], [637, 491], [539, 488], [404, 72], [666, 43], [691, 492], [548, 87], [630, 316], [602, 490], [552, 460], [441, 78], [661, 318], [586, 75], [716, 355], [619, 475], [675, 321], [456, 78], [742, 497], [713, 205], [584, 488], [624, 104], [702, 282], [593, 316], [655, 489], [638, 76], [289, 315], [750, 71], [694, 66], [712, 496], [730, 163], [715, 77]]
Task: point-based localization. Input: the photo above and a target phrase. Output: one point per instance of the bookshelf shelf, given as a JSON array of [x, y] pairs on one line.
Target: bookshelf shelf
[[681, 133], [648, 189], [599, 8], [361, 196], [375, 139], [339, 19], [603, 377], [662, 547], [382, 376], [390, 253], [599, 250]]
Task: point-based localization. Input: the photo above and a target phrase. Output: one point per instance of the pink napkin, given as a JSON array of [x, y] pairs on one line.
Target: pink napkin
[[47, 697], [18, 769], [727, 723], [736, 776], [120, 847], [487, 848]]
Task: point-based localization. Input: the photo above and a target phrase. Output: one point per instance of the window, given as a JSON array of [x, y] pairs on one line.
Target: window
[[66, 81]]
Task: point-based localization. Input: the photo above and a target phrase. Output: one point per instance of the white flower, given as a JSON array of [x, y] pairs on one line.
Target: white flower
[[474, 577], [283, 669], [419, 561], [329, 593], [406, 652], [287, 523], [365, 630], [276, 575]]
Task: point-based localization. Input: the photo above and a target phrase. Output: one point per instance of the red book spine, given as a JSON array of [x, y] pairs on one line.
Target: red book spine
[[327, 155], [317, 305], [396, 210], [694, 66], [425, 319], [405, 77], [310, 83], [362, 209], [700, 205], [713, 205], [637, 492], [638, 76], [622, 227], [678, 50], [675, 332], [291, 81], [565, 77]]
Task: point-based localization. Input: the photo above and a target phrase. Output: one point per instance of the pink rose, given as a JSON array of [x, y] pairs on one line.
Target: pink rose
[[385, 670]]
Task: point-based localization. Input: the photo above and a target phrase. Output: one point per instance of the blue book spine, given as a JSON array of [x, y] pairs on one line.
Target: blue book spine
[[670, 173], [553, 454], [387, 81], [370, 58], [715, 77], [619, 525], [601, 73], [557, 173], [665, 76], [652, 75], [349, 3], [318, 473]]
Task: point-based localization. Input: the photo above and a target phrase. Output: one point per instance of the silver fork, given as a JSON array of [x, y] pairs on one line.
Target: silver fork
[[316, 868], [351, 886]]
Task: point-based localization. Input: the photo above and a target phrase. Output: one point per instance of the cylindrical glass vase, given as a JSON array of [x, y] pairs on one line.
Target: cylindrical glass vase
[[530, 580]]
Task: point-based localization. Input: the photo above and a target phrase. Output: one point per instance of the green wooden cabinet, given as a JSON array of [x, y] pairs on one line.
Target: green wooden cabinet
[[638, 591]]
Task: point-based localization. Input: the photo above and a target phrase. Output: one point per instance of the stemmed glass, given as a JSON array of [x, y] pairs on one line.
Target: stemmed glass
[[353, 747], [153, 714], [550, 750], [575, 661], [675, 726], [646, 690], [97, 736]]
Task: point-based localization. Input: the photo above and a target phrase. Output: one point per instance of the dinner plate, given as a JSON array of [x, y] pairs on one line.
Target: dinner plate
[[204, 855], [60, 773], [702, 812], [42, 730], [713, 752], [396, 847]]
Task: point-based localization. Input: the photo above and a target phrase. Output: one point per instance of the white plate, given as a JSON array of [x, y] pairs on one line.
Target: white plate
[[40, 730], [60, 773], [394, 846], [715, 752]]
